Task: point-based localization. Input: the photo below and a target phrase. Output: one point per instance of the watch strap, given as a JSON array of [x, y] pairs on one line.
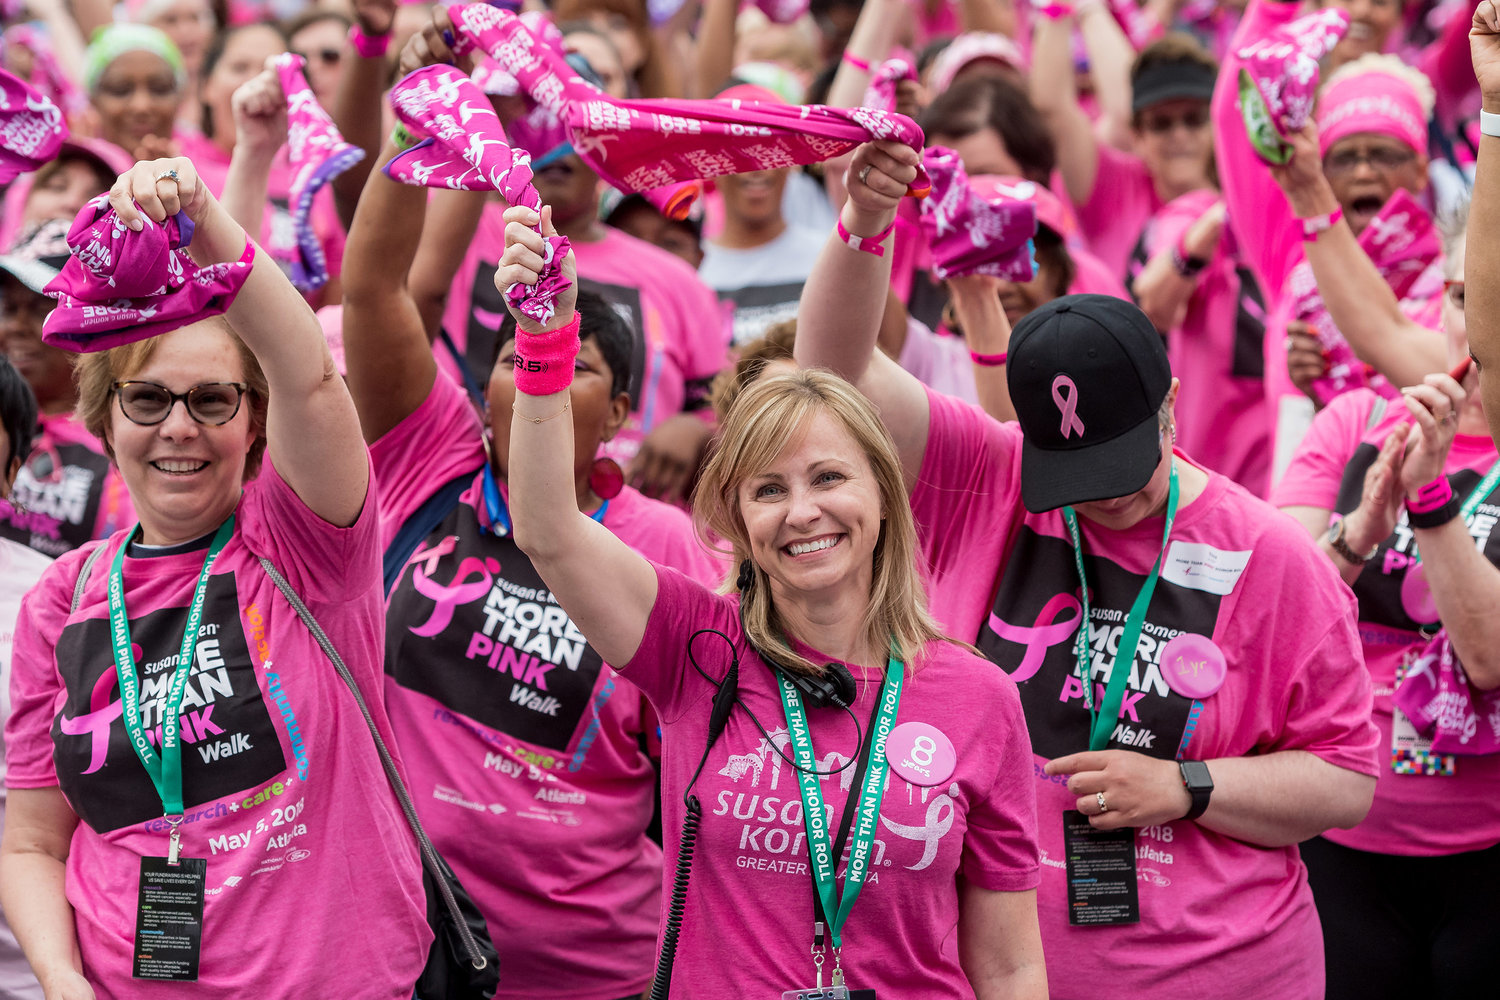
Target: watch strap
[[1200, 790], [1435, 518], [1336, 541]]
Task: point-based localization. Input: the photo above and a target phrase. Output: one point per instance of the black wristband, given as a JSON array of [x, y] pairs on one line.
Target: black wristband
[[1436, 518], [1187, 267], [1196, 779]]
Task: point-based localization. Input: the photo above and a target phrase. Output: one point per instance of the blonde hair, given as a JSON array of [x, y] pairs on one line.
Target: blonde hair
[[97, 374], [767, 416]]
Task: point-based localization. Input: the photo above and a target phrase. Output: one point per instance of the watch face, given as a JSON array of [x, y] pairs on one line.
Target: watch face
[[1195, 775]]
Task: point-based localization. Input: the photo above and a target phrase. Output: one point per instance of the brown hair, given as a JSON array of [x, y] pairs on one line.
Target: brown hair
[[97, 374], [775, 344], [767, 415], [992, 102]]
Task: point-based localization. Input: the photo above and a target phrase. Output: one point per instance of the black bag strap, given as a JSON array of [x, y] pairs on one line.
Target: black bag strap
[[465, 370], [430, 860], [422, 523], [84, 573]]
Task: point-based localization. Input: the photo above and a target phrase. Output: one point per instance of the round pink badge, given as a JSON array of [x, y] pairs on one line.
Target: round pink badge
[[1416, 597], [921, 753], [1193, 666]]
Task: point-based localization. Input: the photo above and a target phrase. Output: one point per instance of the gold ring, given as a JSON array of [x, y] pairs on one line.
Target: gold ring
[[1103, 806], [864, 174]]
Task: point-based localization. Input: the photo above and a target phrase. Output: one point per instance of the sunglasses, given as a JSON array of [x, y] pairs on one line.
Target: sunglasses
[[1192, 120], [209, 403], [328, 57]]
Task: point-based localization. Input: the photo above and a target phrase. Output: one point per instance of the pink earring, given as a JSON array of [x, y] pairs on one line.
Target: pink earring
[[606, 478]]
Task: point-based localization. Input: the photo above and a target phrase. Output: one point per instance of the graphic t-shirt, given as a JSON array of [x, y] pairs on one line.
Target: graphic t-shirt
[[67, 492], [514, 731], [763, 285], [1413, 814], [750, 867], [681, 337], [285, 796], [1220, 918]]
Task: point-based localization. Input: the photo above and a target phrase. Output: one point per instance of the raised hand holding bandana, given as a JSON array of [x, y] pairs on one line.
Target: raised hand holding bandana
[[321, 154], [1279, 79], [120, 286], [880, 95], [985, 231], [31, 128], [466, 149]]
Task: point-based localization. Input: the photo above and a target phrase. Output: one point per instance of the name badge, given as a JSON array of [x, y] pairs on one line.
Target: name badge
[[169, 919], [1101, 873]]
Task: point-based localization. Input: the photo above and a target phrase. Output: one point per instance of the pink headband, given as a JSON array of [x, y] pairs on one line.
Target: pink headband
[[468, 150], [970, 47], [1371, 102], [881, 94], [31, 128], [315, 145], [971, 232], [1279, 79], [639, 145], [122, 286]]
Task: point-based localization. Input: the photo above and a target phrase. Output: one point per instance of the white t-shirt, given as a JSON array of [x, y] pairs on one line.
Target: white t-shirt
[[761, 285]]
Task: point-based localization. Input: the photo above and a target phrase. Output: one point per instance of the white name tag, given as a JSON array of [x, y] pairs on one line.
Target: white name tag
[[1203, 567]]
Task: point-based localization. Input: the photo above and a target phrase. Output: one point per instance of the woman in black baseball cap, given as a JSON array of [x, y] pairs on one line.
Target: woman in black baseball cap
[[1205, 721]]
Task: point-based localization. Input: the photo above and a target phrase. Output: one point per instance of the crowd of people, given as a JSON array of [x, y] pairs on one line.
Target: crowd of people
[[916, 498]]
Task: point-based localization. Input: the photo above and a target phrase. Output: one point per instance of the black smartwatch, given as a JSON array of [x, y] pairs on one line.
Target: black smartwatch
[[1200, 786]]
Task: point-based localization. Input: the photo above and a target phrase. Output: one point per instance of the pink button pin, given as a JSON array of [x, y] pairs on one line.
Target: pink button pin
[[1193, 665], [921, 753], [1416, 597]]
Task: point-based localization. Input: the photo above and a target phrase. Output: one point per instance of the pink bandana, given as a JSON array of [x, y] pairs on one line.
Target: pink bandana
[[639, 145], [1140, 25], [881, 94], [782, 11], [677, 201], [122, 286], [984, 227], [1371, 102], [973, 46], [1440, 702], [1279, 79], [321, 154], [1405, 247], [47, 74], [31, 128], [467, 149]]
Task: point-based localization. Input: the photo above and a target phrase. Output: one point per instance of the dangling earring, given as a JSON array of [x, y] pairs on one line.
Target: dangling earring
[[746, 579], [1173, 431], [606, 478]]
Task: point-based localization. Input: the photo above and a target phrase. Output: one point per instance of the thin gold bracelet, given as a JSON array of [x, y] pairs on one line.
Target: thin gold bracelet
[[539, 420]]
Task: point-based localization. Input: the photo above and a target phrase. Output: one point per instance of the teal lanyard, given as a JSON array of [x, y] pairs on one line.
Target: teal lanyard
[[165, 768], [1103, 716], [499, 514], [815, 815], [1485, 488]]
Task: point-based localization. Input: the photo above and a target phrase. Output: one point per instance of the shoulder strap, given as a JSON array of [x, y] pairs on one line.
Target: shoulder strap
[[430, 860], [84, 573], [465, 370], [1377, 412], [422, 523]]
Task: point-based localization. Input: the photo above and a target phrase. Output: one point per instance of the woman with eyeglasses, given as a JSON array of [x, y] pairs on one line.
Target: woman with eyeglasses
[[1409, 489], [269, 811]]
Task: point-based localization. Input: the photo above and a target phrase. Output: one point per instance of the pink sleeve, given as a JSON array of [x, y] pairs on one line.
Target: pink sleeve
[[660, 666], [1448, 63], [1270, 241], [1329, 701], [35, 687], [1000, 847], [1120, 180], [968, 455], [437, 442], [1312, 480]]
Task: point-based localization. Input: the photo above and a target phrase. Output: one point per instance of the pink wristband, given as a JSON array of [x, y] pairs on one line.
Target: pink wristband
[[368, 46], [544, 361], [856, 61], [1319, 224], [866, 244], [1430, 497], [988, 360], [1054, 11]]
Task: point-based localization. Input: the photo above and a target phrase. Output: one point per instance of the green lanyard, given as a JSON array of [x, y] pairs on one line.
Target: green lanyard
[[1485, 488], [1104, 716], [815, 816], [165, 768]]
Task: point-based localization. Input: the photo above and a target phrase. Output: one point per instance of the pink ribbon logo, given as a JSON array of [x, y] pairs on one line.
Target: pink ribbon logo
[[1057, 623], [1067, 405]]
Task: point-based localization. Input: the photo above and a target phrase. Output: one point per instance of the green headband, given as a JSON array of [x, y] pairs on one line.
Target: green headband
[[113, 41]]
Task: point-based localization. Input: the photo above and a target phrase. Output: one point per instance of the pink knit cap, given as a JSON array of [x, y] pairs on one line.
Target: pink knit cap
[[1373, 101]]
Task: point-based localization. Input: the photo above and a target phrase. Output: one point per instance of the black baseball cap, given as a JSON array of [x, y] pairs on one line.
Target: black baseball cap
[[1087, 375]]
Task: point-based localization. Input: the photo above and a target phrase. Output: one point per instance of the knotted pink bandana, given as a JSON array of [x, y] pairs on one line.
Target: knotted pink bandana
[[1279, 79], [639, 145], [321, 154], [1372, 101], [782, 11], [880, 95], [1404, 244], [983, 231], [31, 128], [1440, 702], [122, 286], [467, 150]]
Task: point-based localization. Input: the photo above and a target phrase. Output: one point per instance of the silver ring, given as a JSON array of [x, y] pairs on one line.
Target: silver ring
[[1103, 806], [864, 174], [167, 175]]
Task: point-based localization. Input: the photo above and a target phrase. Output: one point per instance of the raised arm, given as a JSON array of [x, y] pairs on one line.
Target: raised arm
[[713, 57], [1162, 289], [260, 124], [570, 550], [870, 43], [844, 299], [1482, 258], [356, 103], [328, 468], [986, 332], [1055, 95]]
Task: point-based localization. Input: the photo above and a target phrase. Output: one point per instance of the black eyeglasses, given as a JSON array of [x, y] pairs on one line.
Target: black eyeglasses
[[328, 57], [1160, 124], [1383, 159], [209, 403]]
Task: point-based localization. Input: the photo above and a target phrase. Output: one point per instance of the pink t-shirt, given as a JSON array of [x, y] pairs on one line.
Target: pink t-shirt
[[1222, 416], [1413, 814], [285, 796], [1115, 212], [67, 492], [514, 731], [1220, 918], [682, 333], [751, 879]]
